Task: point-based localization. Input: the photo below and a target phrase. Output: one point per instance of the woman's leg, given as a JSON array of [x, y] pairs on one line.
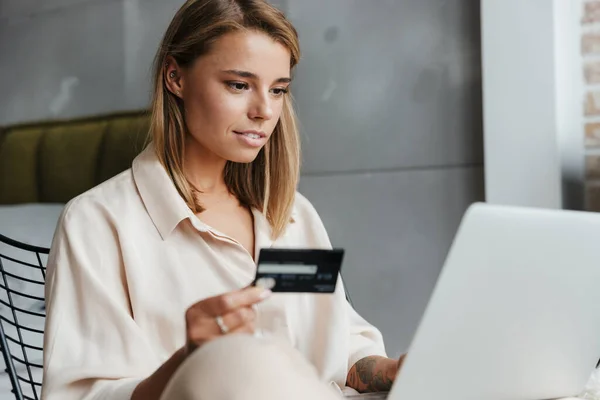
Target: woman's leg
[[241, 367]]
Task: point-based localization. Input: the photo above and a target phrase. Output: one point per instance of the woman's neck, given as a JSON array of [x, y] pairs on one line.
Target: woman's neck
[[204, 169]]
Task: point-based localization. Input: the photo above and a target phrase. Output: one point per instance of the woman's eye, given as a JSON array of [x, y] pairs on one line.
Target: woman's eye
[[279, 91], [237, 86]]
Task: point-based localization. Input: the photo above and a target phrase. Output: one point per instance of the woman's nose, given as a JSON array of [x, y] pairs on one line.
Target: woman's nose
[[261, 108]]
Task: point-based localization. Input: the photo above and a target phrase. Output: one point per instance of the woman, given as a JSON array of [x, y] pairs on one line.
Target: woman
[[147, 288]]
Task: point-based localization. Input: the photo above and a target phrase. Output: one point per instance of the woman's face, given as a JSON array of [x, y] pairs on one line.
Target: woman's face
[[233, 96]]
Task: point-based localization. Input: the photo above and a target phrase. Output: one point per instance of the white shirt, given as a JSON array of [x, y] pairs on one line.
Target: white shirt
[[129, 257]]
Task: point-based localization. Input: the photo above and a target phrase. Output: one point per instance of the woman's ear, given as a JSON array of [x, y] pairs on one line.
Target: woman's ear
[[173, 78]]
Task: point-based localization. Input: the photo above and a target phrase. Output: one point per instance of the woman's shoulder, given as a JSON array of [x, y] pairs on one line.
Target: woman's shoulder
[[303, 208], [301, 202], [307, 223], [109, 198]]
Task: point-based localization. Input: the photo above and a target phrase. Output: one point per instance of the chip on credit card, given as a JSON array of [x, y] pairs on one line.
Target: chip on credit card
[[298, 270]]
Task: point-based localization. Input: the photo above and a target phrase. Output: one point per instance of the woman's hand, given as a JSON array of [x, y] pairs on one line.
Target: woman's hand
[[374, 374], [220, 315]]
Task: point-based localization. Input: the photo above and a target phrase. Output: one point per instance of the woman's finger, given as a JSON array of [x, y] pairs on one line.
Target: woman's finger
[[236, 319], [201, 329], [228, 302], [248, 327]]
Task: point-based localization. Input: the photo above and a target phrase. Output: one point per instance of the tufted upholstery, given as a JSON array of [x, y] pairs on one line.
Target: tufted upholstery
[[52, 162]]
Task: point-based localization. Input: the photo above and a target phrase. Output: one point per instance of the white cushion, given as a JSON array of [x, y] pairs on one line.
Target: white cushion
[[30, 223]]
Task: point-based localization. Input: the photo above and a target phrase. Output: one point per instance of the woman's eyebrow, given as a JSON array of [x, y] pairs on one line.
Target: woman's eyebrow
[[250, 75]]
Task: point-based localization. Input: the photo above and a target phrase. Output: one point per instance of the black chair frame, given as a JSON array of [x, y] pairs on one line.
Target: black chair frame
[[11, 361]]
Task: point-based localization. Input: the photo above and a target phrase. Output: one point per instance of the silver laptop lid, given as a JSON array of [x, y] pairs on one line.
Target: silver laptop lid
[[516, 310]]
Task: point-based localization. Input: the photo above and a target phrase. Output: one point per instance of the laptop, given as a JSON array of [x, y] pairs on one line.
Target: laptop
[[515, 313]]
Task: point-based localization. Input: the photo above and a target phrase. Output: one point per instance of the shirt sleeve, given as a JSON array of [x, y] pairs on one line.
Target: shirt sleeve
[[93, 348], [364, 339]]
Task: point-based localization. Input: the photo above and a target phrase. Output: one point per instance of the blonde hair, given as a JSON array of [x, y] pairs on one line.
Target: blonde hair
[[269, 182]]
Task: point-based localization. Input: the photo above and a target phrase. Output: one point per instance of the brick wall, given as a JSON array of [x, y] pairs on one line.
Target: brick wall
[[590, 50]]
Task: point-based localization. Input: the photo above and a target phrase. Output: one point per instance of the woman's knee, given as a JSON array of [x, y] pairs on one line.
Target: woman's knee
[[246, 355], [234, 363], [204, 369]]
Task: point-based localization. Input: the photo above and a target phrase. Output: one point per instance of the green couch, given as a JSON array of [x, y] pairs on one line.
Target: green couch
[[54, 161]]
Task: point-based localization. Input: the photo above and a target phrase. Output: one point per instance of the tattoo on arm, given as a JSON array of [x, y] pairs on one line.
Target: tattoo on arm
[[370, 374]]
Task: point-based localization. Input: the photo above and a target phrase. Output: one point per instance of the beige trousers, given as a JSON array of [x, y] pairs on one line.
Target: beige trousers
[[242, 367]]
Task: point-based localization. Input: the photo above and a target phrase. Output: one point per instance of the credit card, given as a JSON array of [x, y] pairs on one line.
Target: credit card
[[298, 270]]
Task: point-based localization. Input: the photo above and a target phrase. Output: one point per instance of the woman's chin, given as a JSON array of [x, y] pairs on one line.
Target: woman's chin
[[245, 157]]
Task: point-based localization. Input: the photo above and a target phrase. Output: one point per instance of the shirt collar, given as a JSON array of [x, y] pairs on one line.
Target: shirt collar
[[159, 195], [167, 208]]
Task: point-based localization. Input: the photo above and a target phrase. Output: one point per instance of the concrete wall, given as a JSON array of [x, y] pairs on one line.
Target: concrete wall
[[389, 98]]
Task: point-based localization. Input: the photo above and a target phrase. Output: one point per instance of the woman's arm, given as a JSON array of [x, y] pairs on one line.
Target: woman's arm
[[373, 374], [92, 347], [152, 387], [235, 309]]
